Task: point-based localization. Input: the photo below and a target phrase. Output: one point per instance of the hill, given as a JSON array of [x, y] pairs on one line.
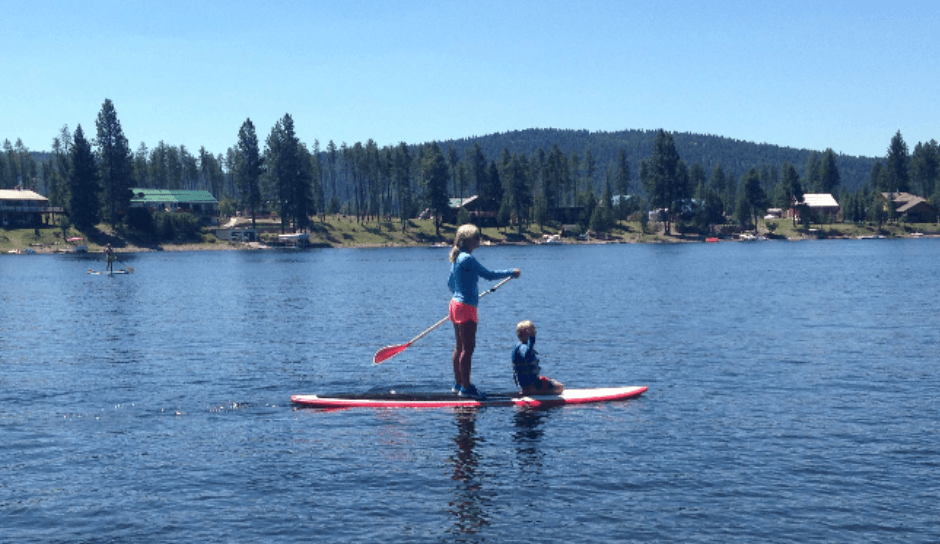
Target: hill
[[736, 156]]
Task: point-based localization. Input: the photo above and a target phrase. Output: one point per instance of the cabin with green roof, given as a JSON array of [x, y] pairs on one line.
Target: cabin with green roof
[[200, 203]]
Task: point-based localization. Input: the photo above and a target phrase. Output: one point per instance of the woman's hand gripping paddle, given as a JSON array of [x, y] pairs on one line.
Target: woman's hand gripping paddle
[[388, 352]]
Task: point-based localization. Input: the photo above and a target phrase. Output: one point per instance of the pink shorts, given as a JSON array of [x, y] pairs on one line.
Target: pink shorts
[[461, 313]]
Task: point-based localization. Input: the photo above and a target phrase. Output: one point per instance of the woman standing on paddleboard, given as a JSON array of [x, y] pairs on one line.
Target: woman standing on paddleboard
[[465, 272]]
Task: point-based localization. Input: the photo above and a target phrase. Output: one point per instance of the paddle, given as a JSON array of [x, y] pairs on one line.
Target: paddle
[[129, 269], [388, 352]]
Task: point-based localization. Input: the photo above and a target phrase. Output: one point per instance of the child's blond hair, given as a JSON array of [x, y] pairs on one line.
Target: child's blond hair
[[465, 232], [523, 328]]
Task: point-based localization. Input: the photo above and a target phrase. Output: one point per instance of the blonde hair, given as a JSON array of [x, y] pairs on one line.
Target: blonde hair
[[465, 232], [523, 328]]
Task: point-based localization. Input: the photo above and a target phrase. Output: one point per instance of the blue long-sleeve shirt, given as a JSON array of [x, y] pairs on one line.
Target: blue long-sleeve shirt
[[465, 272]]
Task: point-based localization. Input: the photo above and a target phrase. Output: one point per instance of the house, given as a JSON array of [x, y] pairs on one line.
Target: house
[[474, 205], [23, 208], [818, 205], [200, 203], [911, 208]]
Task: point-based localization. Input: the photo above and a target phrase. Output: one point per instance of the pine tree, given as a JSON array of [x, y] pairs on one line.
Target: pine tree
[[925, 167], [754, 194], [517, 183], [665, 177], [401, 178], [623, 184], [898, 166], [115, 163], [434, 178], [83, 183], [828, 175], [249, 169], [288, 174]]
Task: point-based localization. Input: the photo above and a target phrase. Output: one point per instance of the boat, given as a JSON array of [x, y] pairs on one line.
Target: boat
[[551, 239], [394, 399], [299, 239], [78, 244]]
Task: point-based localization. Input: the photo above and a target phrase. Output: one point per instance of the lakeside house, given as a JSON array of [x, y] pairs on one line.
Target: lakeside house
[[911, 208], [474, 206], [23, 208], [816, 205], [199, 203]]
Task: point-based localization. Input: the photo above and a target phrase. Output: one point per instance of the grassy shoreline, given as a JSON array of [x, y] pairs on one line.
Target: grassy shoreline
[[346, 232]]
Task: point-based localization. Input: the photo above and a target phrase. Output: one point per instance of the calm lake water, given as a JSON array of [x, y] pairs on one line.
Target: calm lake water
[[793, 397]]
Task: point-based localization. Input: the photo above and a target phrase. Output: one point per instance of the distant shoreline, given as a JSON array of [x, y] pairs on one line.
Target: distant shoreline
[[339, 232]]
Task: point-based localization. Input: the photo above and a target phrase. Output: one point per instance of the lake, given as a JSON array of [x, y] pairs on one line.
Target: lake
[[793, 396]]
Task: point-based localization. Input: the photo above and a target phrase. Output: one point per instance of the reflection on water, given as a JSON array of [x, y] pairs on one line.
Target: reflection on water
[[469, 504], [527, 436], [472, 505], [762, 360]]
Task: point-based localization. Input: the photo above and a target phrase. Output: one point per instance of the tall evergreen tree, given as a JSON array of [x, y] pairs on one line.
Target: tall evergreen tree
[[476, 169], [434, 179], [828, 175], [289, 176], [331, 160], [83, 204], [718, 184], [897, 165], [590, 168], [664, 179], [516, 182], [61, 165], [813, 183], [792, 189], [142, 166], [754, 194], [925, 167], [401, 178], [116, 164], [557, 177], [249, 167], [623, 184]]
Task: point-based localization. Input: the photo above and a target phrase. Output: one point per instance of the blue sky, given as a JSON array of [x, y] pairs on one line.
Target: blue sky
[[816, 75]]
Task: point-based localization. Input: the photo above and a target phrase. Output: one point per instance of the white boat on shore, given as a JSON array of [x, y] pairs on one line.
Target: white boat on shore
[[298, 239]]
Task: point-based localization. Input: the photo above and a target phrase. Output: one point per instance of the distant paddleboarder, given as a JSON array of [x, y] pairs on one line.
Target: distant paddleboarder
[[109, 251]]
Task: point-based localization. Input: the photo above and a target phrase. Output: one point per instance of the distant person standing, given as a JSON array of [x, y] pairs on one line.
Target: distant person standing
[[109, 251], [465, 272]]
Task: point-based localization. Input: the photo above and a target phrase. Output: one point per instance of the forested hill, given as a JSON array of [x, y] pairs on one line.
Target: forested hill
[[735, 156]]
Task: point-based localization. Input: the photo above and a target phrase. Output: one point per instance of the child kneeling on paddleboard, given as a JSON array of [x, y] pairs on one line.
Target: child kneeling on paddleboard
[[525, 364]]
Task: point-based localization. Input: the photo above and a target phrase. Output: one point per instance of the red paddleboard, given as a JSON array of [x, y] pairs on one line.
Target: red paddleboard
[[447, 400]]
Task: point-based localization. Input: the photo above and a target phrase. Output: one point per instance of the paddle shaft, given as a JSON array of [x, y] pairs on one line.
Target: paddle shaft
[[129, 269], [391, 351]]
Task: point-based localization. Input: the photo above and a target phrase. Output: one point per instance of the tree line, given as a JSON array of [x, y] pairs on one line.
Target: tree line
[[91, 177]]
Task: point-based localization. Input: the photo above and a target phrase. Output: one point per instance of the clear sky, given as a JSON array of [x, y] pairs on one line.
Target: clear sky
[[815, 74]]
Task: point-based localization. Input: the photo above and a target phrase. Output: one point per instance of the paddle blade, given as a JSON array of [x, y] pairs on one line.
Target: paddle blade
[[388, 352]]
